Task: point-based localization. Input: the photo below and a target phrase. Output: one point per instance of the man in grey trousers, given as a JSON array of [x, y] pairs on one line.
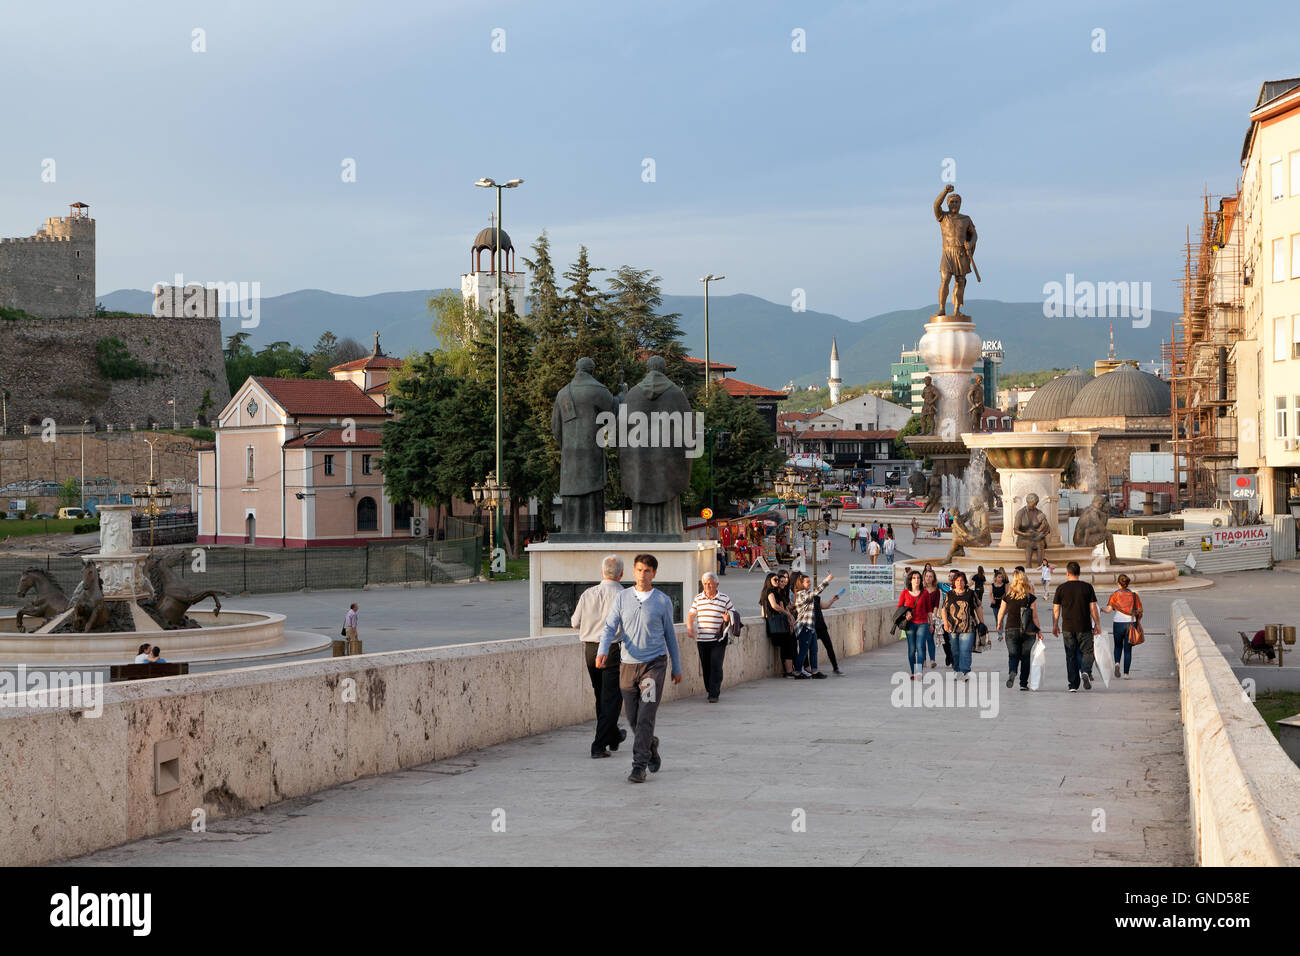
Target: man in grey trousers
[[644, 618], [589, 618]]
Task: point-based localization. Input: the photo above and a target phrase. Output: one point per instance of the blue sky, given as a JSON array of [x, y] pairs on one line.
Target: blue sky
[[783, 170]]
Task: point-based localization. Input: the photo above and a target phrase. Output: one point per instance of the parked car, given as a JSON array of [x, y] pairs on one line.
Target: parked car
[[77, 513], [906, 503], [848, 501]]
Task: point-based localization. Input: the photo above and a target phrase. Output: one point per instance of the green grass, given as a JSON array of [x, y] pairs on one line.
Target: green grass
[[516, 570], [21, 527], [1275, 705]]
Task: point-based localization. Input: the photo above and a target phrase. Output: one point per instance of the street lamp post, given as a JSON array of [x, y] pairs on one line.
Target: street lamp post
[[487, 183], [809, 516], [151, 499], [84, 423], [708, 369], [492, 494]]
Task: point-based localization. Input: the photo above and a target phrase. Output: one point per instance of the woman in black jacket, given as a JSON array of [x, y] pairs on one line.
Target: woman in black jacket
[[778, 618]]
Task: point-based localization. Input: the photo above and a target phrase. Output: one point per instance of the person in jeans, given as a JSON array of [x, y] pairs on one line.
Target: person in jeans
[[1074, 612], [922, 604], [1017, 600], [961, 614], [890, 546], [707, 620], [1128, 608], [589, 620], [643, 616], [824, 632], [945, 590], [930, 584], [805, 628], [776, 612]]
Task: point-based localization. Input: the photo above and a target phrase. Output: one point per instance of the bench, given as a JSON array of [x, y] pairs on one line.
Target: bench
[[124, 672], [1249, 652]]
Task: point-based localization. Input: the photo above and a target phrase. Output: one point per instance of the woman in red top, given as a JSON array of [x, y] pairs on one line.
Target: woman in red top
[[921, 603]]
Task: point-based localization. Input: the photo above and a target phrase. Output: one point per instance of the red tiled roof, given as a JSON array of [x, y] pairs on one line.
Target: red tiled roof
[[795, 416], [738, 389], [381, 387], [333, 438], [320, 396], [848, 435], [715, 366]]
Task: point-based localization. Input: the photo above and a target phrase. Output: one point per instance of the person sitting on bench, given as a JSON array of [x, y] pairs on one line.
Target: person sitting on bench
[[1258, 643]]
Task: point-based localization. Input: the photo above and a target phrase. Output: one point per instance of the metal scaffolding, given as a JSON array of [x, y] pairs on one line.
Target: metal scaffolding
[[1201, 356]]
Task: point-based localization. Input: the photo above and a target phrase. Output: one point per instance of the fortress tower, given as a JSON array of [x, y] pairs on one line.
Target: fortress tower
[[476, 285], [834, 381], [52, 274]]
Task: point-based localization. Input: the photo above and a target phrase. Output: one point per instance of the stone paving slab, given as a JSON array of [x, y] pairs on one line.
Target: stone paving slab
[[879, 784]]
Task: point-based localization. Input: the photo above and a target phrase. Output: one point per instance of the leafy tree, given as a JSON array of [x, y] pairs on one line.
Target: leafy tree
[[69, 493], [235, 344], [742, 446], [634, 300], [457, 322]]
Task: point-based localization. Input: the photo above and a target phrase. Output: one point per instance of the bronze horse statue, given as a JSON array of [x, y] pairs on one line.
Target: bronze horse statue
[[89, 610], [50, 601], [172, 597]]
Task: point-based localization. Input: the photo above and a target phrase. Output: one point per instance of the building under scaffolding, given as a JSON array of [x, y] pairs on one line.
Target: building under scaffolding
[[1202, 358]]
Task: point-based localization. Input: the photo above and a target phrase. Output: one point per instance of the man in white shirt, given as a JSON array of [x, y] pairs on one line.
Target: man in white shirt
[[706, 621], [589, 618], [890, 545]]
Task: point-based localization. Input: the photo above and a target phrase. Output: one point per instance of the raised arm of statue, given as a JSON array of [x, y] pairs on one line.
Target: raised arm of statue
[[938, 203]]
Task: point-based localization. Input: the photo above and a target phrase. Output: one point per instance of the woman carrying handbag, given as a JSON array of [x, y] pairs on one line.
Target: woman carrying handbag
[[1127, 626], [778, 620]]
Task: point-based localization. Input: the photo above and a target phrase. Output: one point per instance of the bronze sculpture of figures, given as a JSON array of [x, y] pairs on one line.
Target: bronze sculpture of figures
[[654, 476], [582, 459], [975, 397], [1092, 529], [1032, 530], [929, 407], [934, 492], [959, 240], [89, 609], [172, 596], [50, 601], [970, 528]]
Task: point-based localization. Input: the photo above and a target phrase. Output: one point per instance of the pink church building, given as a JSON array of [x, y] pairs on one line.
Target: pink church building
[[294, 463]]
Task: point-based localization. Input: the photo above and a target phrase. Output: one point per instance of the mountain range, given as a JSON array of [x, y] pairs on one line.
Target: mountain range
[[768, 343]]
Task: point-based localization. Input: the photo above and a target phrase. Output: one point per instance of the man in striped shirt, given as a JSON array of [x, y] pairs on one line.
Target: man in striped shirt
[[709, 615]]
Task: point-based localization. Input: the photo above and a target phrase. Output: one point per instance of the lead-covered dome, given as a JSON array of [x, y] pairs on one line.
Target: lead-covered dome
[[1053, 400], [486, 239], [1123, 393]]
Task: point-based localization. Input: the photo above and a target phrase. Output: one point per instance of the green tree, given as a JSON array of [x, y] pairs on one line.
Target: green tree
[[69, 493], [634, 302], [457, 323], [742, 446]]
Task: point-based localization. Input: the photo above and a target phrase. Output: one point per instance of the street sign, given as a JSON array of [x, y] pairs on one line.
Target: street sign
[[1245, 487], [706, 514]]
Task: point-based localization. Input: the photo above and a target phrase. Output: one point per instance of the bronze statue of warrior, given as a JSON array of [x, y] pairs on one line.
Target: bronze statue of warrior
[[976, 399], [929, 407], [957, 260], [1092, 528], [970, 528]]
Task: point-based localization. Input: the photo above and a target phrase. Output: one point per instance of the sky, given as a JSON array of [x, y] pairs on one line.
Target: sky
[[785, 170]]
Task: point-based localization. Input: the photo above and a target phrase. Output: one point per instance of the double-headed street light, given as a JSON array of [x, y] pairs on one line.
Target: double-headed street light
[[487, 183], [708, 369], [808, 513]]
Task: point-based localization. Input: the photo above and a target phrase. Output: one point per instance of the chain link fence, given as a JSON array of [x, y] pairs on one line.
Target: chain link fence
[[264, 570]]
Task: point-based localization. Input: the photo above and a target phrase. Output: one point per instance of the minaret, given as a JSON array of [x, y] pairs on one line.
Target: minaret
[[834, 381]]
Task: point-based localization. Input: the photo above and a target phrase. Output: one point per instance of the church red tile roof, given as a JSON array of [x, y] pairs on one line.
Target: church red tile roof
[[333, 438], [320, 396], [848, 435]]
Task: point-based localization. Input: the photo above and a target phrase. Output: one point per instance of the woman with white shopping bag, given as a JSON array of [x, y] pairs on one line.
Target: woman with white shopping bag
[[1018, 621]]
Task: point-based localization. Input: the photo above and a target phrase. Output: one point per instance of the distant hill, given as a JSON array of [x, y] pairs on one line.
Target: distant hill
[[769, 344]]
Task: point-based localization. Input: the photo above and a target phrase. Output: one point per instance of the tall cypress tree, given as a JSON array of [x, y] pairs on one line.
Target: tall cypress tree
[[635, 300]]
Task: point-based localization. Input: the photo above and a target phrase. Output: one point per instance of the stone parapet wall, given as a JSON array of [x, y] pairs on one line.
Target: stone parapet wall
[[256, 736], [1245, 790]]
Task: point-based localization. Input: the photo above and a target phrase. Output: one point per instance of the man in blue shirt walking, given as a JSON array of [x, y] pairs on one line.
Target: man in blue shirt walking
[[644, 617]]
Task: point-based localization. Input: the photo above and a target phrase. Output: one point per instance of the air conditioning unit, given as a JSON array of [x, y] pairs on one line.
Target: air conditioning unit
[[1288, 444]]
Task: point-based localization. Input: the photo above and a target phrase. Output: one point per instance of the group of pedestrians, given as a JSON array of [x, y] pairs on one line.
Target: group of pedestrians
[[874, 541], [955, 611], [792, 617]]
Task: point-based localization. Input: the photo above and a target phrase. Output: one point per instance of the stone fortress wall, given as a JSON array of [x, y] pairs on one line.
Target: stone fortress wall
[[48, 364], [52, 273]]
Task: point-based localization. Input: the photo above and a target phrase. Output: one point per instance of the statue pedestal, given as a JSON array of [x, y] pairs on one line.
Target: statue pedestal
[[558, 573], [950, 348]]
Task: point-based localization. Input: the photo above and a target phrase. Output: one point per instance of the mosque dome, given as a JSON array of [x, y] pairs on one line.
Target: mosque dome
[[1053, 400], [1124, 393]]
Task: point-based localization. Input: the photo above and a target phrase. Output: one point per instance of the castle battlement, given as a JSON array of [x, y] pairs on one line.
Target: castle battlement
[[53, 272]]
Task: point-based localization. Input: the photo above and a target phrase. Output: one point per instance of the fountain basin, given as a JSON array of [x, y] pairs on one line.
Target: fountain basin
[[1023, 450], [229, 636]]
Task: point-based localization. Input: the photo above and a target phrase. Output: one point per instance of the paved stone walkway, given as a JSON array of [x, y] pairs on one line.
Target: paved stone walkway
[[1054, 778]]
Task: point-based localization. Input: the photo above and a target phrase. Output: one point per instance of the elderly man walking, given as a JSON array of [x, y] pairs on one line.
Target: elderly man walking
[[706, 621], [589, 619], [644, 618]]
